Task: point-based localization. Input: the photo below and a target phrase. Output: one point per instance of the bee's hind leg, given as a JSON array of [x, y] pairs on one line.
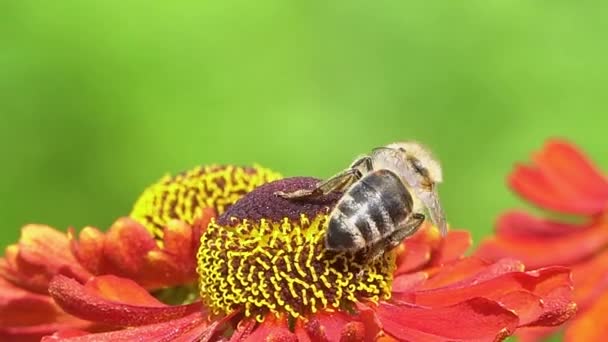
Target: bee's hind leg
[[337, 183], [406, 229]]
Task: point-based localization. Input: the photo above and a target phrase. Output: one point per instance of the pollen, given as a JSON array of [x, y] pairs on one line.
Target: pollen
[[184, 196], [266, 255]]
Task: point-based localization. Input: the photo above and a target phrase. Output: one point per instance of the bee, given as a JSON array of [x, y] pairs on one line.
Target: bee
[[385, 195]]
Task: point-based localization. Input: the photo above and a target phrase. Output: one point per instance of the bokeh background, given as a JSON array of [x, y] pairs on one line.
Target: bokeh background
[[100, 99]]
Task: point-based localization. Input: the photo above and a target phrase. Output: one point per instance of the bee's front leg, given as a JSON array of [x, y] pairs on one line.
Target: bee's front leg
[[338, 183]]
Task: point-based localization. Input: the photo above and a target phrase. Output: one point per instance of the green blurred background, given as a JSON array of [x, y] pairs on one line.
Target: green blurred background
[[99, 99]]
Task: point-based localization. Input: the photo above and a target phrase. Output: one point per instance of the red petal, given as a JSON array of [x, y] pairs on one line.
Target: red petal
[[540, 252], [272, 330], [20, 307], [471, 270], [519, 224], [121, 290], [474, 320], [590, 279], [88, 249], [66, 333], [527, 306], [126, 242], [131, 252], [563, 180], [166, 331], [567, 163], [453, 247], [591, 324], [535, 334], [408, 282], [29, 316], [521, 292], [414, 257], [41, 253], [84, 303], [332, 324], [373, 326], [243, 330]]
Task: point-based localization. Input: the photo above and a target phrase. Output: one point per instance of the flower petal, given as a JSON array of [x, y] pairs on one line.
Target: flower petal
[[126, 242], [41, 253], [519, 224], [471, 270], [409, 281], [474, 320], [413, 257], [165, 331], [243, 330], [121, 290], [542, 297], [130, 251], [84, 303], [88, 249], [533, 252], [562, 179], [29, 316], [452, 247], [591, 279], [591, 324], [272, 330]]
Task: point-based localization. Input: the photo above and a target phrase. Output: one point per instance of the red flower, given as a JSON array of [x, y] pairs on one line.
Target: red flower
[[128, 250], [264, 274], [561, 179]]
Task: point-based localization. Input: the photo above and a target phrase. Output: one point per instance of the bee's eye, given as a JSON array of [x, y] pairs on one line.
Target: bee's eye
[[418, 167]]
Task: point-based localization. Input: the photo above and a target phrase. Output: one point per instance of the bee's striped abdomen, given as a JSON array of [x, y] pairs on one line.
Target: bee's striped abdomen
[[370, 210]]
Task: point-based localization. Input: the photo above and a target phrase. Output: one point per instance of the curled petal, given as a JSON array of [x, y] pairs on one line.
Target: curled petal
[[41, 253], [562, 179], [591, 279], [591, 324], [471, 270], [474, 320], [121, 290], [408, 282], [129, 250], [542, 297], [86, 303], [426, 249], [88, 249], [165, 331], [413, 257], [519, 224], [534, 252], [452, 247], [126, 242], [273, 330]]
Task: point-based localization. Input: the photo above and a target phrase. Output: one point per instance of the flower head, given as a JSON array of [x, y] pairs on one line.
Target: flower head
[[263, 273], [156, 248], [563, 180]]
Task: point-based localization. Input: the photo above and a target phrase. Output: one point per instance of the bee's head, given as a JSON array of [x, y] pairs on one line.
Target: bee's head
[[421, 171]]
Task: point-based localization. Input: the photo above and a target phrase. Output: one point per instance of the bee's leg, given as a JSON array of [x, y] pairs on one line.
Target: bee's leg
[[406, 229], [363, 163], [337, 183]]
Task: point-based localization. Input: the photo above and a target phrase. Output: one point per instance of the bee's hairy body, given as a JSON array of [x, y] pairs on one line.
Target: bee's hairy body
[[384, 194], [370, 210]]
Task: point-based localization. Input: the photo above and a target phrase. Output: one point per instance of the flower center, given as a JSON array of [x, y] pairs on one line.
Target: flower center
[[185, 195], [267, 255]]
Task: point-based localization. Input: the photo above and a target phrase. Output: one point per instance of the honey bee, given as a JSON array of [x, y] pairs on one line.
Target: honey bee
[[384, 196]]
